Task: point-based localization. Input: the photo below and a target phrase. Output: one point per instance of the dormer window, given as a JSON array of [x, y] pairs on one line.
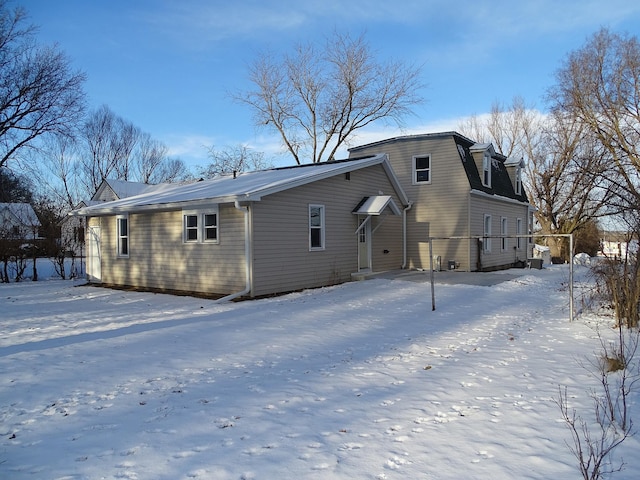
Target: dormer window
[[518, 181], [486, 170]]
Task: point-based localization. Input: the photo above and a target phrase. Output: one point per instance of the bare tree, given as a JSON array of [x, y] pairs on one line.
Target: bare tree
[[564, 167], [239, 158], [55, 171], [315, 98], [112, 147], [511, 129], [153, 165], [108, 141], [567, 181], [39, 93], [598, 85]]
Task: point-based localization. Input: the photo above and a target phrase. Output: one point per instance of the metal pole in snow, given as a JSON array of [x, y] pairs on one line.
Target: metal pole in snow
[[433, 291], [571, 277]]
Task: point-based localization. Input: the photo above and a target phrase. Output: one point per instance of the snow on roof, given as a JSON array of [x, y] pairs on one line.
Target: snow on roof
[[513, 161], [375, 205], [248, 186], [23, 212], [478, 147], [413, 137], [122, 188]]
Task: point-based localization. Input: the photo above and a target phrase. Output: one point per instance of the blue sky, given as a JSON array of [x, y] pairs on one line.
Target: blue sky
[[168, 65]]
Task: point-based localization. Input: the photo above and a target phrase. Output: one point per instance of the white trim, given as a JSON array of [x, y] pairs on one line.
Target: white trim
[[119, 237], [486, 168], [198, 195], [415, 170], [498, 197], [320, 227], [518, 232], [486, 241], [504, 231], [200, 227], [186, 228]]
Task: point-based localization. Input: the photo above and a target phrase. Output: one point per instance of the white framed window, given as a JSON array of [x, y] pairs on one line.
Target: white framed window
[[486, 245], [518, 180], [200, 226], [504, 230], [210, 226], [191, 227], [316, 227], [122, 235], [421, 169], [486, 170], [518, 232]]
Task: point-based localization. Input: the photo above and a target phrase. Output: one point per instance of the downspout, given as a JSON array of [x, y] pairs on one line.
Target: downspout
[[247, 256], [404, 235]]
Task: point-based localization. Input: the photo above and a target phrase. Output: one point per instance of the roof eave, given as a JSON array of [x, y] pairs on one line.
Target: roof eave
[[161, 207]]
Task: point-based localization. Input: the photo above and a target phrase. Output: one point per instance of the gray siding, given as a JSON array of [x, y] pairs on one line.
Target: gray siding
[[441, 208], [498, 256], [282, 260], [158, 258]]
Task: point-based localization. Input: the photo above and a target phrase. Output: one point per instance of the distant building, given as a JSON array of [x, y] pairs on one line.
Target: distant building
[[19, 222]]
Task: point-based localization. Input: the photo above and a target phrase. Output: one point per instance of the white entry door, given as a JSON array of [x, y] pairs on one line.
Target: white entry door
[[364, 245], [94, 256]]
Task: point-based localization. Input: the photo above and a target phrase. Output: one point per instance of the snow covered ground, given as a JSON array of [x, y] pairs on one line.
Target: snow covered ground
[[361, 380]]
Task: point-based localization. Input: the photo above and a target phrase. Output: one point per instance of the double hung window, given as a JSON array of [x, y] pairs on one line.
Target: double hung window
[[504, 241], [122, 232], [487, 234], [519, 232], [421, 169], [200, 226], [486, 170], [316, 227]]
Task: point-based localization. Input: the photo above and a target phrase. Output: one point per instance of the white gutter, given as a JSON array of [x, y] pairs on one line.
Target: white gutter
[[404, 234], [247, 256]]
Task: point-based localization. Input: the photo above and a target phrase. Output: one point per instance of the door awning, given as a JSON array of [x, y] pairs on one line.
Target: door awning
[[376, 205]]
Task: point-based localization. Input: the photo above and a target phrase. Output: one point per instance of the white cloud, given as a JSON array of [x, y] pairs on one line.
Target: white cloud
[[191, 148]]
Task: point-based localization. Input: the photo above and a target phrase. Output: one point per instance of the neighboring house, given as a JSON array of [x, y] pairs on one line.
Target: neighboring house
[[618, 246], [73, 228], [459, 188], [18, 221], [254, 234], [110, 190]]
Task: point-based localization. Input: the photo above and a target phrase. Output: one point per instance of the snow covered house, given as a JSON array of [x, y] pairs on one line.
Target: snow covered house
[[459, 188], [18, 221], [252, 234]]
